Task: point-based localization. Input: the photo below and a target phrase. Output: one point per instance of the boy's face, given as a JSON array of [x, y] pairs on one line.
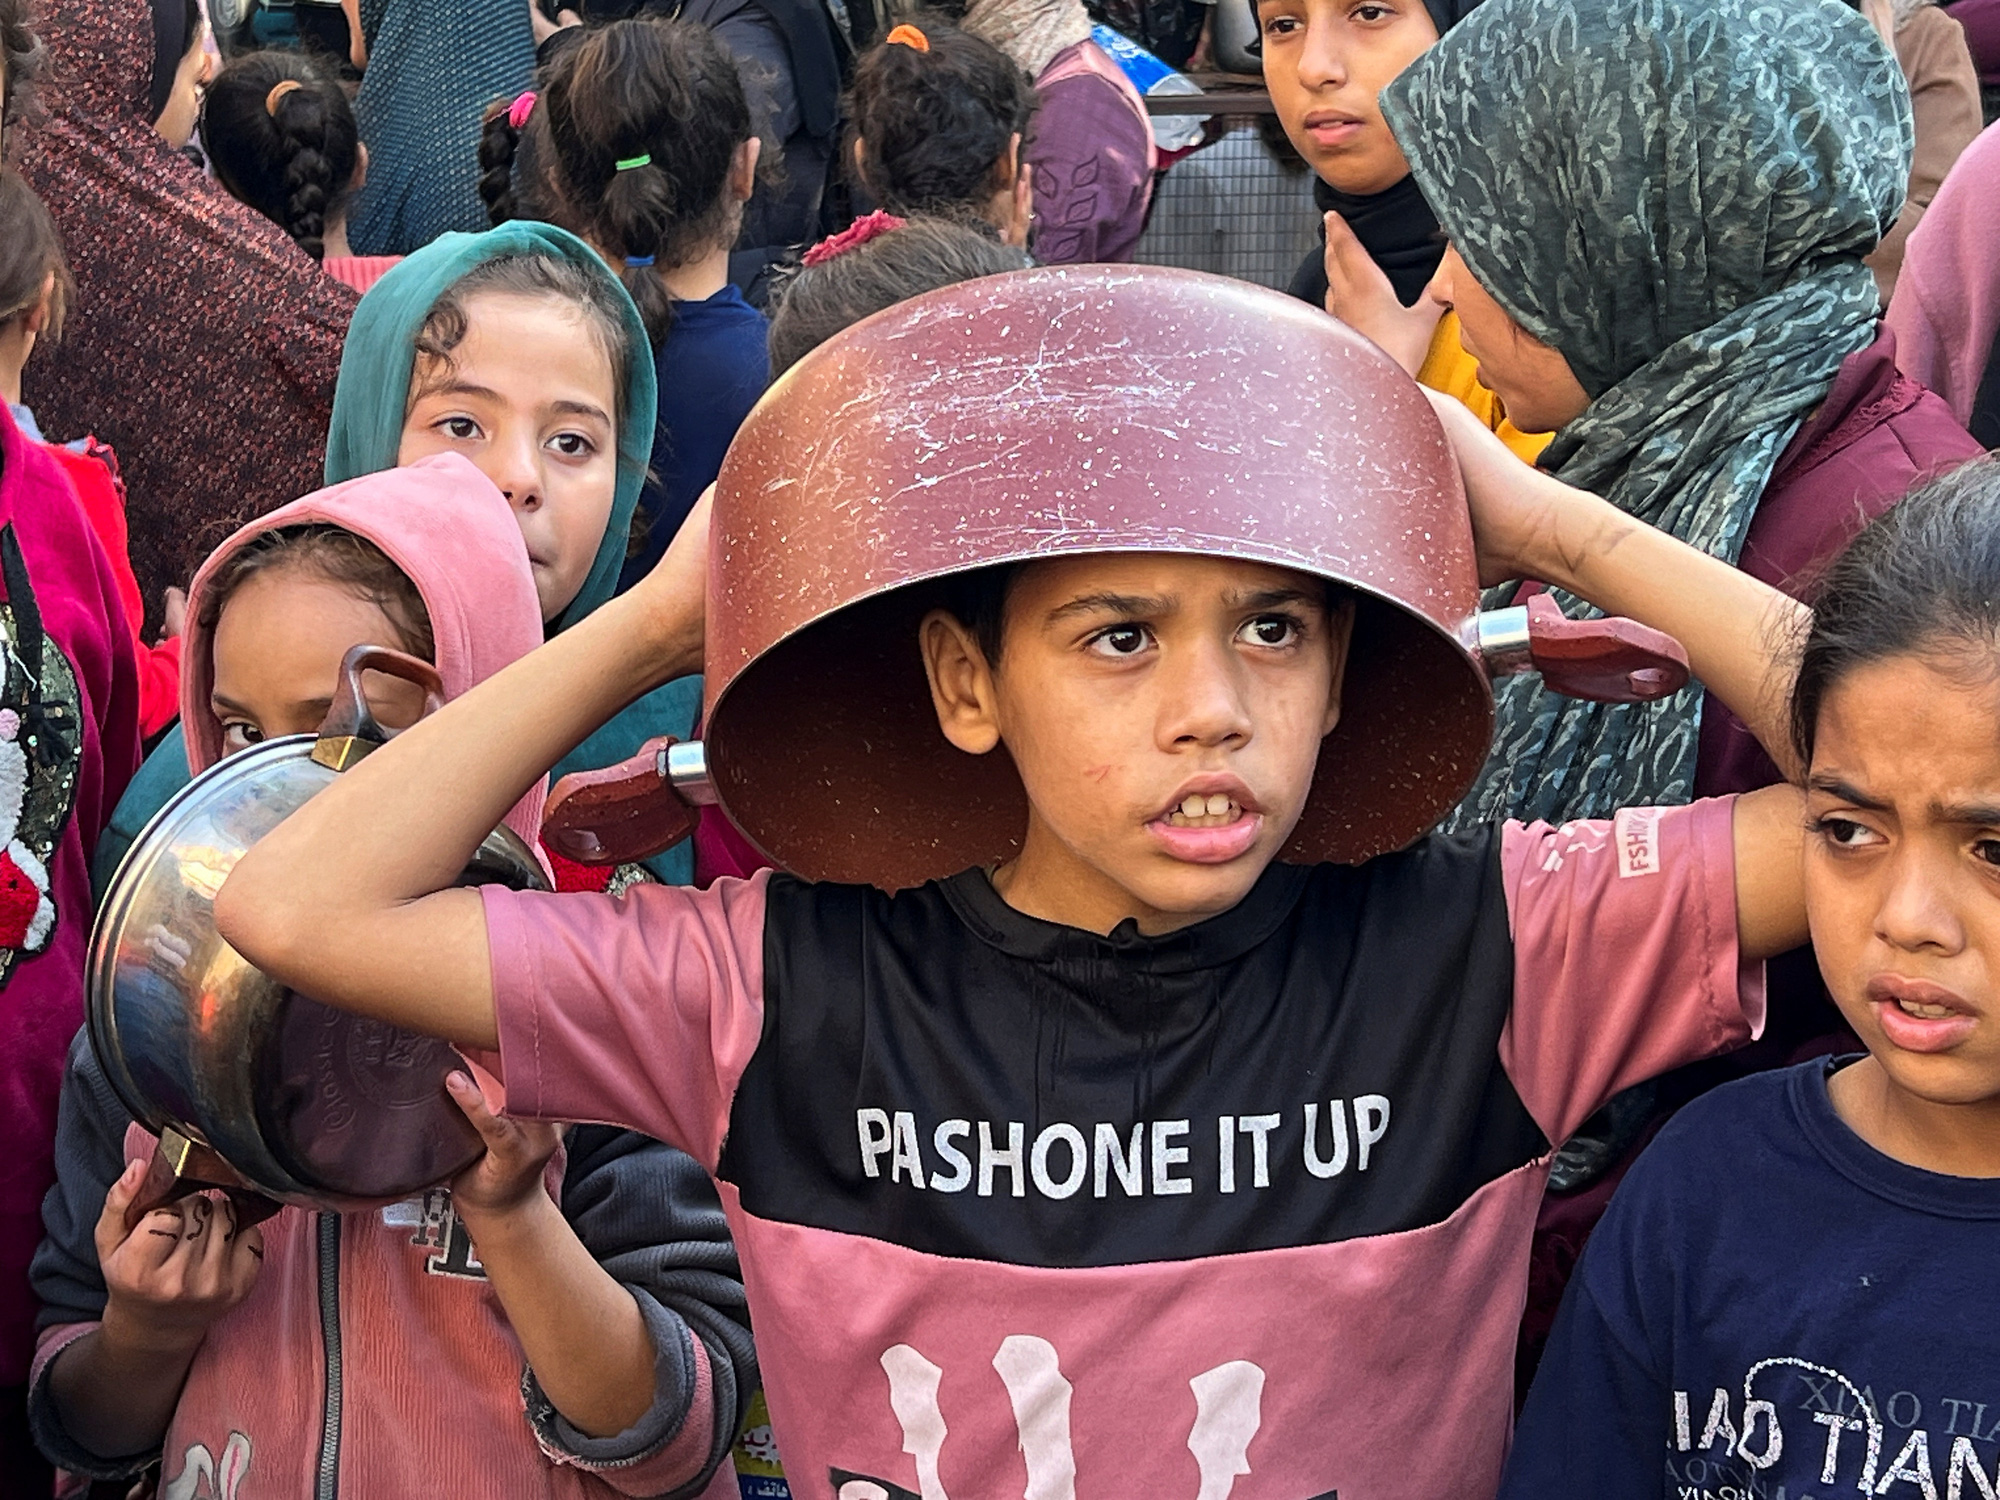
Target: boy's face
[[1902, 871], [1325, 61], [1165, 714]]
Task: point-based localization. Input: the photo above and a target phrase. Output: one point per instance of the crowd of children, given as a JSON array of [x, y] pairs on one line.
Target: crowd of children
[[1283, 1072]]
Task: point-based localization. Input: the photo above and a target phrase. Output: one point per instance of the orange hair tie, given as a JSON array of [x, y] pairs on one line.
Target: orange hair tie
[[907, 35], [278, 91]]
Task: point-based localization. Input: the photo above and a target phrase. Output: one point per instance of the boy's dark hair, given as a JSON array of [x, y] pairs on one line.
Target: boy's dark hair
[[30, 248], [21, 59], [933, 125], [1922, 579], [338, 556], [445, 326], [292, 156], [664, 98], [819, 301], [979, 601]]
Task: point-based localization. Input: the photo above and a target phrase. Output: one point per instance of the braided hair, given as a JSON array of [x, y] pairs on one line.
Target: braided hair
[[282, 138], [630, 143], [21, 59], [933, 123]]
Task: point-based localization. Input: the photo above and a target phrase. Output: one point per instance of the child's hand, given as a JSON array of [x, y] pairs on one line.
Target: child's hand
[[543, 27], [1517, 511], [184, 1266], [674, 595], [509, 1176], [175, 613], [1358, 292]]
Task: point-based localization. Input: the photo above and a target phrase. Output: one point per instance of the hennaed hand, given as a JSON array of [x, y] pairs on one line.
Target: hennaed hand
[[184, 1265]]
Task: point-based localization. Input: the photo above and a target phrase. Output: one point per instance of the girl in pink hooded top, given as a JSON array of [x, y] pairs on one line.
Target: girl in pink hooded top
[[565, 1319]]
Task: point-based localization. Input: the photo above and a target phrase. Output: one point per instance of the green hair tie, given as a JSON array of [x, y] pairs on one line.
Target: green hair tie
[[643, 159]]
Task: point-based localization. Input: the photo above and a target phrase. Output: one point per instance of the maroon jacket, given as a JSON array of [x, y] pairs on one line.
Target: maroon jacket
[[1877, 433]]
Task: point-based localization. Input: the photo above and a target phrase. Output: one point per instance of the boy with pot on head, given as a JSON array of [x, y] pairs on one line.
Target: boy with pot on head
[[1163, 1156]]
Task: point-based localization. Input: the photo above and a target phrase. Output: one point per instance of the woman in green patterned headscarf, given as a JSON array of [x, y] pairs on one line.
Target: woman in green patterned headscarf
[[1671, 199]]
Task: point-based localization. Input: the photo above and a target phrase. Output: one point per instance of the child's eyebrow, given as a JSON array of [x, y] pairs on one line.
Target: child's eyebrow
[[1111, 604], [580, 409], [1984, 813], [456, 388], [1272, 598], [1846, 791]]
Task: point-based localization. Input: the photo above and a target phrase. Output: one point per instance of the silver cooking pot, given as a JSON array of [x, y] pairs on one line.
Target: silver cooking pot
[[252, 1087]]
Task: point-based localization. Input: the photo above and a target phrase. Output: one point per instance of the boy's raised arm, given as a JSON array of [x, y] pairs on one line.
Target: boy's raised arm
[[348, 900], [1740, 635]]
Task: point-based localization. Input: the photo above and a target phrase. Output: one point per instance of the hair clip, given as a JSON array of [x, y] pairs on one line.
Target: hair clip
[[636, 261], [909, 36], [643, 159], [278, 91], [855, 235], [521, 108]]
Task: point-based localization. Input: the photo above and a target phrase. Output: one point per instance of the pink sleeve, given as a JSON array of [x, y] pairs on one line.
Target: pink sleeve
[[639, 1010], [1625, 956]]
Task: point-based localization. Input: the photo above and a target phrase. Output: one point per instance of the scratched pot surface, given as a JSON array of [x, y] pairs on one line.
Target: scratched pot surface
[[1053, 412]]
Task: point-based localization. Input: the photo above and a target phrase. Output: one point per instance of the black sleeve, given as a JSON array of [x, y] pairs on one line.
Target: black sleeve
[[90, 1155], [1308, 282], [650, 1216], [1985, 421]]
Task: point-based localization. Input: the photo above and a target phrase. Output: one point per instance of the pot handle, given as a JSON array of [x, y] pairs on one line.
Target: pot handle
[[349, 730], [1606, 660], [630, 811], [181, 1166]]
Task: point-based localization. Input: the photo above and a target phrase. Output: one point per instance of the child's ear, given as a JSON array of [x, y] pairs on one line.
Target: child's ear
[[743, 168], [961, 682], [1340, 640], [44, 306]]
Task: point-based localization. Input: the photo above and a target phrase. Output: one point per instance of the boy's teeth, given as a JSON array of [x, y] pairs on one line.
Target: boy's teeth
[[1925, 1012], [1197, 811]]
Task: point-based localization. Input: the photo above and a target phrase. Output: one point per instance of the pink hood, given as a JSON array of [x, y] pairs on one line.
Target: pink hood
[[444, 524]]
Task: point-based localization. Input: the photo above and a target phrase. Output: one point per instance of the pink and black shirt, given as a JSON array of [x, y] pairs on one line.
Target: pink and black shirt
[[1241, 1211]]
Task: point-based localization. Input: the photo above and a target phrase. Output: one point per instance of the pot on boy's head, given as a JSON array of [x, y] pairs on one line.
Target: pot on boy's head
[[1207, 544]]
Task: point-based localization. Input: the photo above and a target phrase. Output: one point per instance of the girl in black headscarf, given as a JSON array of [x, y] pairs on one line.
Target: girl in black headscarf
[[1324, 62]]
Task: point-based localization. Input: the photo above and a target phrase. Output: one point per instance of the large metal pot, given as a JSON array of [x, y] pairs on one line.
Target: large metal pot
[[1048, 413], [252, 1087]]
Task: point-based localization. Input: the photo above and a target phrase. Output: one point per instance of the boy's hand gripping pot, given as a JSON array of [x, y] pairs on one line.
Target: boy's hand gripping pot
[[1055, 412]]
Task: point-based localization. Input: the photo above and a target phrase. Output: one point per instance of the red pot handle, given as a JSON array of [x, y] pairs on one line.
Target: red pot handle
[[1606, 660], [623, 813]]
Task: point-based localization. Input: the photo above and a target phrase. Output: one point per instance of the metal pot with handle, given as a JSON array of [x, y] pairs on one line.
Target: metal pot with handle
[[252, 1087]]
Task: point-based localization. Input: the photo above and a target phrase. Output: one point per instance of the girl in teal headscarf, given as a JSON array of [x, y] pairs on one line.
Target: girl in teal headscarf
[[472, 345]]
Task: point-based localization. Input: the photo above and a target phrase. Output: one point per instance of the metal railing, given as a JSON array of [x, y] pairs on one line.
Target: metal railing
[[1240, 205]]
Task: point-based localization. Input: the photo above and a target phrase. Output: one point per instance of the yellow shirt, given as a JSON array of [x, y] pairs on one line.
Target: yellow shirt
[[1450, 371]]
